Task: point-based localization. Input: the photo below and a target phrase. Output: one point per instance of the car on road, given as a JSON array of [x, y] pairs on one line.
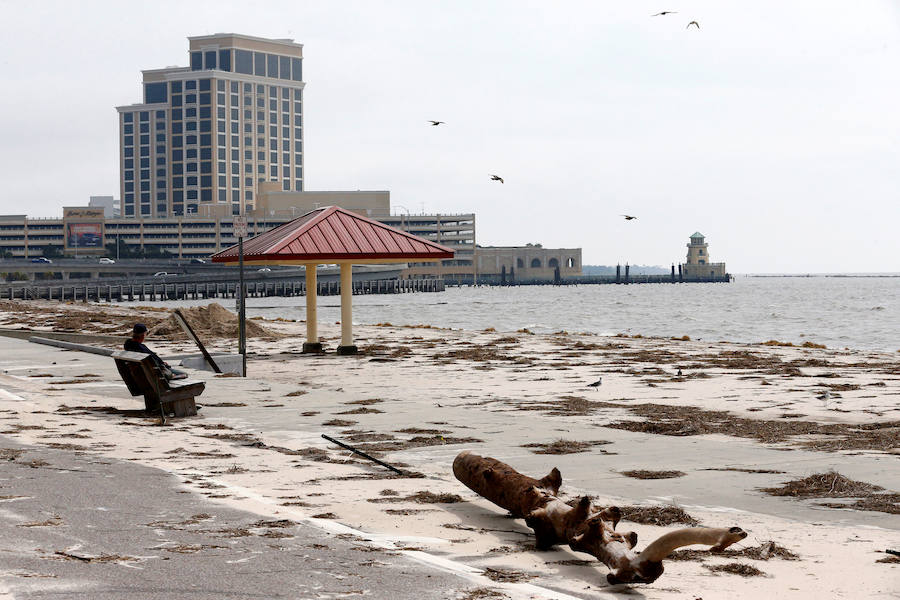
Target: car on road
[[107, 261], [198, 261], [41, 260], [264, 270], [161, 274]]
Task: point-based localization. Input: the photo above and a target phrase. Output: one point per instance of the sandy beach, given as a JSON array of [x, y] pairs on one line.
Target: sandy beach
[[670, 449]]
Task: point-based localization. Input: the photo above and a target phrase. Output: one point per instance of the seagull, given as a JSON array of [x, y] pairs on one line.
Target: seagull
[[694, 23], [596, 384], [629, 217], [664, 13], [436, 123], [496, 178], [679, 373], [825, 397]]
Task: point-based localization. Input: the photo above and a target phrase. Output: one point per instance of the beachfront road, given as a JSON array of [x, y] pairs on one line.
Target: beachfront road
[[81, 526]]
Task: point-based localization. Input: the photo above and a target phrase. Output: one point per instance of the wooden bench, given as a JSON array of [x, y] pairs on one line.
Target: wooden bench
[[143, 378]]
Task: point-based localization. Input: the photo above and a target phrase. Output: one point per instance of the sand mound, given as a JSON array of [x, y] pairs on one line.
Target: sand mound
[[211, 321]]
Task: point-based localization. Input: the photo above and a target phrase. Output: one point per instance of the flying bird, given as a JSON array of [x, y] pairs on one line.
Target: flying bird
[[596, 384], [496, 178], [664, 13], [436, 123], [694, 23], [629, 217]]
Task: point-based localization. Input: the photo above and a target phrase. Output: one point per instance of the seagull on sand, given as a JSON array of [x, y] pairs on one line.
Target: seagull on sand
[[436, 123], [596, 384], [825, 397], [496, 178], [694, 23], [664, 13], [629, 217]]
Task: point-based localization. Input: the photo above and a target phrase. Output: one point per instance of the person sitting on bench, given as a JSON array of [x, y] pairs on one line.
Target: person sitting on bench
[[136, 344]]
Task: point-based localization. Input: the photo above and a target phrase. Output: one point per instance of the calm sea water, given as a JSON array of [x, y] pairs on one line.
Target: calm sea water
[[853, 312]]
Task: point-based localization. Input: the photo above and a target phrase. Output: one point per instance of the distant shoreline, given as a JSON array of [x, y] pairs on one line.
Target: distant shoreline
[[851, 275]]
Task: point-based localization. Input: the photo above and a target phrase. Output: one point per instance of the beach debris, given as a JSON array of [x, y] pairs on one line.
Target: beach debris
[[894, 552], [183, 322], [644, 474], [583, 527], [364, 455], [211, 321]]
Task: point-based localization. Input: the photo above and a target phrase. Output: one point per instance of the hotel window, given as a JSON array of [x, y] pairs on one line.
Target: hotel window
[[205, 85], [205, 98], [177, 127], [145, 116], [129, 163], [190, 84], [220, 100], [243, 62], [191, 139], [235, 140], [129, 129], [160, 160], [176, 87], [129, 140], [196, 61], [190, 98], [296, 69], [210, 57], [191, 153], [129, 175], [128, 117], [235, 114], [259, 64], [192, 180], [160, 125]]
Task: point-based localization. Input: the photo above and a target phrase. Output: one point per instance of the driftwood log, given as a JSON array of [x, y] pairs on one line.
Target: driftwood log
[[583, 527]]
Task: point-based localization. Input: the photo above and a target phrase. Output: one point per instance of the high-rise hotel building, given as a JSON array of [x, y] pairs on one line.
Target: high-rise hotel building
[[207, 134]]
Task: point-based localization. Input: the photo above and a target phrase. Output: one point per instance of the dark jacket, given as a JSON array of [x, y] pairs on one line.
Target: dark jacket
[[133, 346]]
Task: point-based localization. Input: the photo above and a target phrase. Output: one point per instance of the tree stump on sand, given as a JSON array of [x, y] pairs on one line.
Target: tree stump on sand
[[583, 527]]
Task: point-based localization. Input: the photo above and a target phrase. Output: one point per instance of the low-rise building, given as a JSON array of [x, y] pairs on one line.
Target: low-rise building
[[526, 264], [86, 231]]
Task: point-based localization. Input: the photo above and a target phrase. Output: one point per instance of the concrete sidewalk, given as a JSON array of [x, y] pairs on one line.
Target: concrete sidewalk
[[126, 530]]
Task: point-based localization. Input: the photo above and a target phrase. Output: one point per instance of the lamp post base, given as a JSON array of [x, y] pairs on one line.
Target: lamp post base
[[347, 350], [312, 347]]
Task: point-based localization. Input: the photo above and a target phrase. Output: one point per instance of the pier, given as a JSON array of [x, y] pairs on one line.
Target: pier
[[93, 291]]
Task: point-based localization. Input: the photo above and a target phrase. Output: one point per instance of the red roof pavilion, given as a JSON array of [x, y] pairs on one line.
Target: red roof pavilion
[[333, 235]]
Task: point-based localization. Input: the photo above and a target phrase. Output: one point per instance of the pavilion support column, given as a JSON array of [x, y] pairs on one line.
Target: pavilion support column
[[346, 346], [312, 344]]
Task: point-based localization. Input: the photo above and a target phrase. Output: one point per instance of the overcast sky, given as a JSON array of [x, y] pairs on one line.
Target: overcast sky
[[773, 129]]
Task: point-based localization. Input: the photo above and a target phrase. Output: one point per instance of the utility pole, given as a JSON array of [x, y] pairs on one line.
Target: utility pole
[[240, 230]]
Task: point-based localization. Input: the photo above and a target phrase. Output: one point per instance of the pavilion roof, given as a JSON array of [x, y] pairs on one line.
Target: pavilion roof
[[332, 234]]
